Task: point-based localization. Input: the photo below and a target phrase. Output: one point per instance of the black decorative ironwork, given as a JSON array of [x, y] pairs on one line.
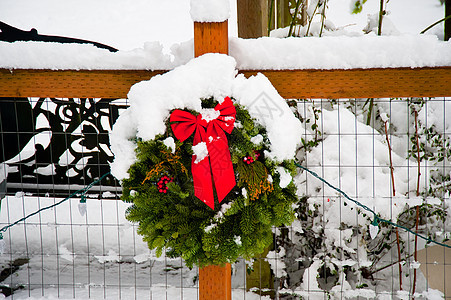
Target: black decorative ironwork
[[11, 34], [46, 142]]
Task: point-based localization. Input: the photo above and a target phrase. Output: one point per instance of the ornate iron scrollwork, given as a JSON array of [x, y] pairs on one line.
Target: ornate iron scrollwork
[[57, 141]]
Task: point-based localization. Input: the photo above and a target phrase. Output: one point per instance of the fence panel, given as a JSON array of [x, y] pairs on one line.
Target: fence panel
[[366, 148]]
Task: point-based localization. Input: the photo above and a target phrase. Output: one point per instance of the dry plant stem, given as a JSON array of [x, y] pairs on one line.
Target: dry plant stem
[[293, 18], [394, 193], [381, 13], [311, 19], [415, 253], [418, 152], [323, 18], [389, 155], [417, 208], [399, 259]]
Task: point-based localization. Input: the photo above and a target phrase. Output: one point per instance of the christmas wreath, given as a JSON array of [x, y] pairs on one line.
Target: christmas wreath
[[207, 187]]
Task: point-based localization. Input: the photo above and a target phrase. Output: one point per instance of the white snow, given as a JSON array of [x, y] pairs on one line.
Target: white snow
[[209, 114], [170, 143], [374, 230], [388, 28], [340, 52], [285, 177], [277, 264], [200, 151], [257, 140], [329, 52], [112, 256], [211, 75], [210, 10], [4, 170], [265, 104], [421, 14], [56, 56], [237, 240]]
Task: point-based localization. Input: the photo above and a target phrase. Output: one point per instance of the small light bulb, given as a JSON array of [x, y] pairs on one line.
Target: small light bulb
[[82, 206], [2, 244], [374, 228]]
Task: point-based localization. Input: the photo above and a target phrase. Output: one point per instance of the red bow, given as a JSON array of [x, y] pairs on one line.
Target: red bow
[[211, 132]]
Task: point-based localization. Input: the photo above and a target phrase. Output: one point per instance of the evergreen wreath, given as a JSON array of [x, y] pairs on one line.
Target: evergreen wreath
[[171, 217]]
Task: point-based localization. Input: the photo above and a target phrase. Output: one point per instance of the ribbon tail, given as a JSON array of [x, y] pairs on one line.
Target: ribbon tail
[[221, 166], [203, 186]]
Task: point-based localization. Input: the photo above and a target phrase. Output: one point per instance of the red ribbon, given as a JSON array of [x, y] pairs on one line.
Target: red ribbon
[[218, 163]]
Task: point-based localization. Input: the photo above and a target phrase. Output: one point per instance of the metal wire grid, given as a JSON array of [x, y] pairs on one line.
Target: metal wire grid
[[77, 260], [347, 160]]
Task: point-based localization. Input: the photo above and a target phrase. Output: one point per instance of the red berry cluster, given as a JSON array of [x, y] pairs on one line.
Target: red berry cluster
[[162, 183], [249, 159]]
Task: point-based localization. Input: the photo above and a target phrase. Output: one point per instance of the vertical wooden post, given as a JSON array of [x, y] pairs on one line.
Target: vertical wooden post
[[211, 38], [252, 18], [215, 282]]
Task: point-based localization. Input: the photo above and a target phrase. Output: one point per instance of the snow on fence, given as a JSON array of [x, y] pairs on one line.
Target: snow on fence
[[388, 153]]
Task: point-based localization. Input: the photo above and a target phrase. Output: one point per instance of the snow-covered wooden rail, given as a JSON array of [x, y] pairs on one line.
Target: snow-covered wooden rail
[[213, 37], [353, 83]]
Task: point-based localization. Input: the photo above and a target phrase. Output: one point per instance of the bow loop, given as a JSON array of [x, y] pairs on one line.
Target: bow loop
[[185, 126]]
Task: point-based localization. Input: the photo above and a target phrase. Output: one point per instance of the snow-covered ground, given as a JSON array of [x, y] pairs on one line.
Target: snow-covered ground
[[96, 255]]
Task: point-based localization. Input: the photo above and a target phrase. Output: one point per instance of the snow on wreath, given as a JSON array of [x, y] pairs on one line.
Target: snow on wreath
[[207, 167]]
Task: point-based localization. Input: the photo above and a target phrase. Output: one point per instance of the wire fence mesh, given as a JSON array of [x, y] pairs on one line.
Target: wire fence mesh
[[392, 155]]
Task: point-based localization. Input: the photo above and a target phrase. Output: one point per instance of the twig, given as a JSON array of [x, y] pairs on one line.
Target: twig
[[418, 151], [394, 193], [293, 18], [381, 13], [389, 155], [323, 18], [399, 259], [415, 253], [439, 21], [311, 19], [370, 110], [387, 266], [271, 8], [417, 208]]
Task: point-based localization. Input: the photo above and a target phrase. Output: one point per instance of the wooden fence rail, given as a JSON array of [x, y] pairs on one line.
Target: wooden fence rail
[[334, 84]]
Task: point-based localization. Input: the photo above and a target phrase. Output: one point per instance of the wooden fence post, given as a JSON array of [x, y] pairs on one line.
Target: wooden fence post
[[215, 282], [212, 37], [252, 18]]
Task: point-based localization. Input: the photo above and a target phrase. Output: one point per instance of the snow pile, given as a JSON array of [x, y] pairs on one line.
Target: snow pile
[[329, 52], [340, 52], [211, 75], [57, 56], [210, 10], [388, 28], [96, 256]]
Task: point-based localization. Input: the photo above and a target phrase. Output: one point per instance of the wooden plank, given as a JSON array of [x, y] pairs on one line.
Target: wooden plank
[[436, 266], [211, 38], [360, 83], [252, 18], [215, 283], [355, 83], [71, 84]]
